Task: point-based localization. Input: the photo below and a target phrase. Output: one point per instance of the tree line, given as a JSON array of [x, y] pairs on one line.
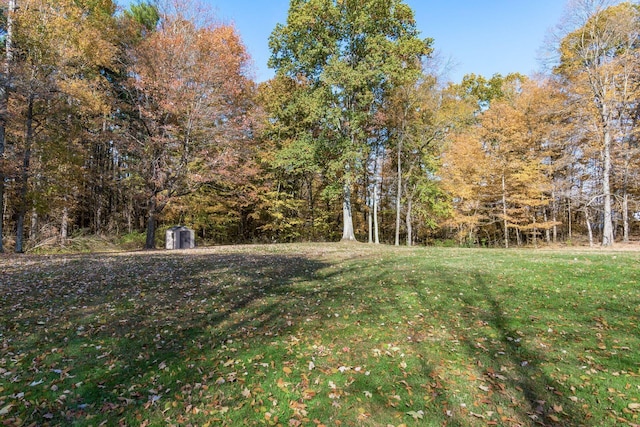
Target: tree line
[[123, 122]]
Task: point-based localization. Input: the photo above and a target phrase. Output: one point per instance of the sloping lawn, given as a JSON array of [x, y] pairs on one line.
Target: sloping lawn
[[321, 334]]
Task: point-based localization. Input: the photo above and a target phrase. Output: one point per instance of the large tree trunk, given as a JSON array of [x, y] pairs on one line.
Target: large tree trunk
[[24, 178], [347, 214], [152, 212], [150, 242]]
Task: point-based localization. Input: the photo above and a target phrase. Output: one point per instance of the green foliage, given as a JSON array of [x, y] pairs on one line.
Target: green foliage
[[346, 56], [145, 14], [283, 223], [131, 241], [485, 90]]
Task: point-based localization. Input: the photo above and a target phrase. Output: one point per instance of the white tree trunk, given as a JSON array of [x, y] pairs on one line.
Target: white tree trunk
[[589, 229], [347, 215], [607, 230], [376, 235]]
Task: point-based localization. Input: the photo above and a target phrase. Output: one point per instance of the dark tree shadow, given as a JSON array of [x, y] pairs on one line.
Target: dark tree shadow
[[124, 318]]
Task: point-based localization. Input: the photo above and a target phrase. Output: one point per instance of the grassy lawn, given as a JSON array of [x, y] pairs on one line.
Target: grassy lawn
[[321, 334]]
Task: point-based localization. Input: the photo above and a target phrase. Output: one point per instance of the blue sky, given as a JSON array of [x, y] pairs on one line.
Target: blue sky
[[479, 36]]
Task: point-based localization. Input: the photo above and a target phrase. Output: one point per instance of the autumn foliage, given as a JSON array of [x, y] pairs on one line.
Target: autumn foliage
[[120, 123]]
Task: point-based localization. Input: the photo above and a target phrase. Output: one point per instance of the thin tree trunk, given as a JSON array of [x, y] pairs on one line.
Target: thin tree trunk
[[504, 213], [311, 208], [1, 198], [408, 223], [64, 226], [33, 230], [547, 231], [5, 85], [370, 224], [24, 179], [399, 193], [570, 220], [625, 216], [589, 229], [376, 234], [554, 218], [369, 212], [607, 231]]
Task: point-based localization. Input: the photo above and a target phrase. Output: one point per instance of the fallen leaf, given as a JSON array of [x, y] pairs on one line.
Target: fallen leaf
[[416, 415]]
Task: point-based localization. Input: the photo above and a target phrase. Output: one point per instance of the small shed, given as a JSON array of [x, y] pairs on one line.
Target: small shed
[[180, 237]]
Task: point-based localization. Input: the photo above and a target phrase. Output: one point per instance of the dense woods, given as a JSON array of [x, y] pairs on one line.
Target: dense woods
[[125, 122]]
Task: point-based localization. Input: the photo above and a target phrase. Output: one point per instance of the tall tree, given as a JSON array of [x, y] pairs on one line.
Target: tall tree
[[425, 114], [59, 50], [351, 52], [598, 60], [5, 88], [193, 98], [495, 171]]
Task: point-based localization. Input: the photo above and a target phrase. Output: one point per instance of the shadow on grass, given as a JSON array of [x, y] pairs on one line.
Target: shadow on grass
[[91, 335], [514, 381], [467, 316], [115, 337]]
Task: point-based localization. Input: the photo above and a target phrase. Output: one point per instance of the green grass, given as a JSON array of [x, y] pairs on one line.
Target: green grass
[[322, 334]]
